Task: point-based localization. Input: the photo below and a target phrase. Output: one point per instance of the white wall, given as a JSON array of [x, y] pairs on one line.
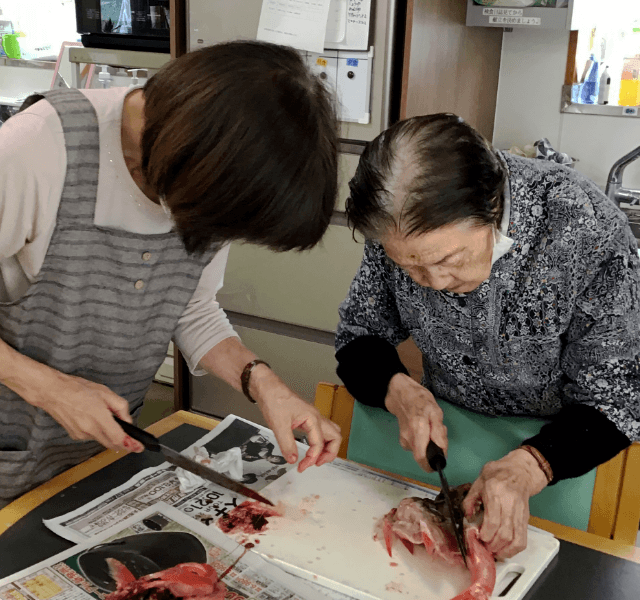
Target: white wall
[[528, 108]]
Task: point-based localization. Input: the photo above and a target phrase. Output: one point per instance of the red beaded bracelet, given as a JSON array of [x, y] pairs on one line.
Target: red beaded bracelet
[[246, 374]]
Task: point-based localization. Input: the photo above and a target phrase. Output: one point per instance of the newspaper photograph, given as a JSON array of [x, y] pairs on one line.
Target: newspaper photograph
[[148, 556], [251, 448]]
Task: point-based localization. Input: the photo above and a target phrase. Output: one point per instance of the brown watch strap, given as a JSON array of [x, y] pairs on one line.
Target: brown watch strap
[[246, 375]]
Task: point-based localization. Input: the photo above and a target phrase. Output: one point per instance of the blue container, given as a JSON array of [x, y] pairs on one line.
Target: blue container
[[591, 86]]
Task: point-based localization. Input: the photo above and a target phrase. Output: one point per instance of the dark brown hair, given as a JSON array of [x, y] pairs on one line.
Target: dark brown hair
[[241, 140], [452, 174]]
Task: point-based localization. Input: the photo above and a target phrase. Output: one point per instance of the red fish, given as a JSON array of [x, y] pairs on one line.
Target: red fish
[[188, 581], [428, 522]]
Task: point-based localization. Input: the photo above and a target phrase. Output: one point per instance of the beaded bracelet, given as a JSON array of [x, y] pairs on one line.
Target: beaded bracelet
[[541, 460], [246, 374]]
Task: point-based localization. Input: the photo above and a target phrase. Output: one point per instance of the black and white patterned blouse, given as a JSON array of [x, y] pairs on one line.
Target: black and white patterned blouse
[[557, 323]]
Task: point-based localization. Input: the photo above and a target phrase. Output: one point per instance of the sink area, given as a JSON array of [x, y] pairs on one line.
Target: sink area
[[633, 214]]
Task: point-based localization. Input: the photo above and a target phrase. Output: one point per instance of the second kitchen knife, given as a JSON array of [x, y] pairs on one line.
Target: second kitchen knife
[[151, 442]]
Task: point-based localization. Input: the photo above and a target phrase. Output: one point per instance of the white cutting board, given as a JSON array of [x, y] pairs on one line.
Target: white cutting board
[[327, 536]]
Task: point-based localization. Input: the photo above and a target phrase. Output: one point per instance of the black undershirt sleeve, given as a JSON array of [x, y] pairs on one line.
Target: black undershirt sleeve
[[366, 366], [576, 440]]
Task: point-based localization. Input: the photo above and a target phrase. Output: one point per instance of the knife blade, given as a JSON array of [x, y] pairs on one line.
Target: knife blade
[[151, 443], [437, 461]]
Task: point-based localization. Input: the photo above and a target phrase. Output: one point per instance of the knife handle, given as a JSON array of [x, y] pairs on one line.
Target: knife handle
[[435, 456], [150, 442]]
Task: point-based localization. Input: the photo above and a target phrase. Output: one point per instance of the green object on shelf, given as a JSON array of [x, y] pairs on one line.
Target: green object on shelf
[[10, 45]]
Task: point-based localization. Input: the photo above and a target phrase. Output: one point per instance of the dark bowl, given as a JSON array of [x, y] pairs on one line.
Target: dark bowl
[[142, 554]]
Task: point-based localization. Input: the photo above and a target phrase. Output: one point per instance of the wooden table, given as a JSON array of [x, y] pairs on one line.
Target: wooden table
[[14, 517], [13, 512]]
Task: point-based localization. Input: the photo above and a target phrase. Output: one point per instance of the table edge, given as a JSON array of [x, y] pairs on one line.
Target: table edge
[[19, 508]]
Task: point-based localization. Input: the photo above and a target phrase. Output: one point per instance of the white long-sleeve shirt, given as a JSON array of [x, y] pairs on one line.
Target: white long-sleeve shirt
[[33, 165]]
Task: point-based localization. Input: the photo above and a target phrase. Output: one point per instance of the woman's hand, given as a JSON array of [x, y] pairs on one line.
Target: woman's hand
[[419, 417], [285, 411], [84, 408], [504, 488]]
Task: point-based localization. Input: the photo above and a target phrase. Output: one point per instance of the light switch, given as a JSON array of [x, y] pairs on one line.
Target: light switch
[[348, 76], [325, 65]]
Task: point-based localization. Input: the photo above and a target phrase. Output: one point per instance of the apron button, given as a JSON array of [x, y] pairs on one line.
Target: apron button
[[139, 284], [146, 256]]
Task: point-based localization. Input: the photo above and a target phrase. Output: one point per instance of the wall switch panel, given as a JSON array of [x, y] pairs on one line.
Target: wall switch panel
[[348, 75]]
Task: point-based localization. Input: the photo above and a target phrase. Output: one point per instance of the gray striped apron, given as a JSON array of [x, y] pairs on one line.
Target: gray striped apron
[[103, 307]]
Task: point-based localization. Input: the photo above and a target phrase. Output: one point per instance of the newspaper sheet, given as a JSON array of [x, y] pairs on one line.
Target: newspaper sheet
[[81, 573], [262, 464]]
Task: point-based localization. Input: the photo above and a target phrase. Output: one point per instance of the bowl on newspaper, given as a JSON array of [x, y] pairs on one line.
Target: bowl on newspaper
[[142, 554]]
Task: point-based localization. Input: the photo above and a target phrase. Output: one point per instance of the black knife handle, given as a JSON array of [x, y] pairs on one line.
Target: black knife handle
[[150, 442], [435, 456]]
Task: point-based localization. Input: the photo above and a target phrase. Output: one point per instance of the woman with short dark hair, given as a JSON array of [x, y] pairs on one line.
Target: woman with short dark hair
[[116, 210], [519, 282]]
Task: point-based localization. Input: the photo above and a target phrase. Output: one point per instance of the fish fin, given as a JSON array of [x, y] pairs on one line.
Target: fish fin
[[427, 540], [119, 573]]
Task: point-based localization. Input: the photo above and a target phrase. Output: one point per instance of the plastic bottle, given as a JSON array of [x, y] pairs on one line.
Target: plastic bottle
[[589, 89], [104, 77], [629, 87], [134, 76], [605, 86]]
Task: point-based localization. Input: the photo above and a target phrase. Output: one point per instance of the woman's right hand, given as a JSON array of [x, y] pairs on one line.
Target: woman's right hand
[[419, 417], [84, 408]]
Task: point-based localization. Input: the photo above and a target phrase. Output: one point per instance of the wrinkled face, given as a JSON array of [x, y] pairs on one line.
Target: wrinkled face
[[456, 258]]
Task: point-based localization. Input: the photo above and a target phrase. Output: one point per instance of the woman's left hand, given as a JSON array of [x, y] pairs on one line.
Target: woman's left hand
[[285, 411], [504, 488]]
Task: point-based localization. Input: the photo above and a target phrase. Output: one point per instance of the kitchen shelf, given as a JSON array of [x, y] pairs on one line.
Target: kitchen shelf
[[130, 59], [519, 18], [603, 110], [28, 64]]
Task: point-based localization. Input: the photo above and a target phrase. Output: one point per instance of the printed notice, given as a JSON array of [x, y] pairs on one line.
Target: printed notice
[[298, 23], [503, 12], [515, 20]]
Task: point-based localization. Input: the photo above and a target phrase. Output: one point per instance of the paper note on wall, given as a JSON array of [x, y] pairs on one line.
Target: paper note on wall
[[348, 26], [298, 23], [337, 22]]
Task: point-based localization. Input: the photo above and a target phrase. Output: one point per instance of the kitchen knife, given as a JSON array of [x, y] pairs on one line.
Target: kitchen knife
[[151, 442], [437, 461]]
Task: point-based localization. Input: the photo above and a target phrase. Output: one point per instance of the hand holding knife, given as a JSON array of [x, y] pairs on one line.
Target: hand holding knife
[[151, 442], [437, 461]]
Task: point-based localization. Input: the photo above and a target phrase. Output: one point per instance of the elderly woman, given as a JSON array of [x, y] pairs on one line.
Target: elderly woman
[[518, 280]]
